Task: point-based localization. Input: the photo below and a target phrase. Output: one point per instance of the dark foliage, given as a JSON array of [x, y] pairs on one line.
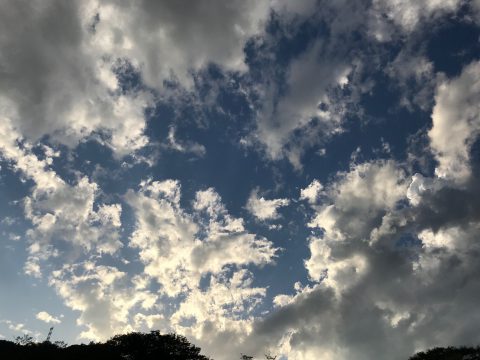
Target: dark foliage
[[450, 353], [133, 346], [153, 345]]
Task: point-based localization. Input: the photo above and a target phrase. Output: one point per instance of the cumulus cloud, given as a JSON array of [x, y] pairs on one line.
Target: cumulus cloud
[[263, 209], [46, 317], [177, 249], [103, 295], [402, 272], [59, 212], [63, 79], [179, 37], [54, 82], [224, 310], [61, 63], [456, 123], [366, 189], [168, 237], [311, 192]]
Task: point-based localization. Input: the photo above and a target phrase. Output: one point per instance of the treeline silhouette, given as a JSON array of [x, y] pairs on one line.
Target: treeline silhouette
[[154, 345], [449, 353], [132, 346]]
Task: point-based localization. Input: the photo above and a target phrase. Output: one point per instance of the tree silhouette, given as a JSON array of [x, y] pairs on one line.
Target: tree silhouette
[[24, 340], [155, 346], [245, 357], [132, 346], [449, 353]]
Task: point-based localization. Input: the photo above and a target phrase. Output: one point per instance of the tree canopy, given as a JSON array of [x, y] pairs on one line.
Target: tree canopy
[[154, 345], [449, 353], [132, 346]]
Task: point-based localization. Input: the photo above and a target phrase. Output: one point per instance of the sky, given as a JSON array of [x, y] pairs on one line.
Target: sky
[[295, 178]]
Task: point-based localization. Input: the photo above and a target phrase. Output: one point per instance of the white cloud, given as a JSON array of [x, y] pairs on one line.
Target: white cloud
[[339, 274], [408, 14], [184, 146], [16, 327], [59, 212], [226, 303], [456, 123], [168, 237], [67, 213], [104, 296], [98, 312], [311, 105], [177, 250], [367, 189], [46, 317], [359, 200], [311, 192], [263, 209], [420, 187]]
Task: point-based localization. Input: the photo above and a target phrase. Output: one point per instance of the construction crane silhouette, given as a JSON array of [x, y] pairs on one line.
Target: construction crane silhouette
[[49, 334]]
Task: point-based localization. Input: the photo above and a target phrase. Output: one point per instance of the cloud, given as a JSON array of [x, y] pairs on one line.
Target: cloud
[[402, 272], [16, 327], [64, 80], [226, 307], [312, 192], [104, 296], [306, 99], [455, 123], [367, 189], [177, 248], [413, 74], [61, 214], [198, 259], [55, 83], [307, 105], [177, 38], [263, 209], [46, 317], [169, 241], [62, 64], [407, 15], [184, 146]]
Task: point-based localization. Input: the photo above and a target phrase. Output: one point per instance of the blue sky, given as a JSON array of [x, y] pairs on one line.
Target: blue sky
[[294, 178]]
